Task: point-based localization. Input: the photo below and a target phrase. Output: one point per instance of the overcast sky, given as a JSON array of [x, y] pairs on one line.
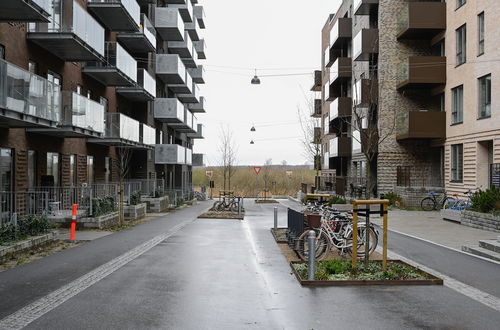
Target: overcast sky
[[276, 37]]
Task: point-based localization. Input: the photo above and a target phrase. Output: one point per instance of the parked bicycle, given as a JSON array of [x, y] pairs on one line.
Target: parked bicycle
[[437, 201], [336, 231], [226, 204]]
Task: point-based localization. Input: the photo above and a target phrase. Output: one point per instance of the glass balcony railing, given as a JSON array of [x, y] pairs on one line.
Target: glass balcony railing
[[148, 29], [119, 126], [189, 156], [117, 56], [82, 112], [148, 134], [46, 5], [67, 16], [189, 119], [24, 92], [146, 81]]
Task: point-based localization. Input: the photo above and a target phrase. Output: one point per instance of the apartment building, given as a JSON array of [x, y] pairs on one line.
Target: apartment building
[[91, 90], [472, 146], [383, 89]]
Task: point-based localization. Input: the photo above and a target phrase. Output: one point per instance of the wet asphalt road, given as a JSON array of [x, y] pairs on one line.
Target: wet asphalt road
[[230, 274]]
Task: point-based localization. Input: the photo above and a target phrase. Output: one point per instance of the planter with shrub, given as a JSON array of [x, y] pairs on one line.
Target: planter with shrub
[[485, 210]]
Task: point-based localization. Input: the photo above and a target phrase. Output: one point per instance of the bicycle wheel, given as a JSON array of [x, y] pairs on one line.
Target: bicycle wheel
[[302, 246], [215, 207], [450, 202], [362, 232], [428, 204], [233, 207]]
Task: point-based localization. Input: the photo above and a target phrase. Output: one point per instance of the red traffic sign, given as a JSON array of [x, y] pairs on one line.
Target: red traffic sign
[[257, 169]]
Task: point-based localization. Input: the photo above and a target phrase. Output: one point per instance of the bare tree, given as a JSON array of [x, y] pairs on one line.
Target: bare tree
[[124, 155], [266, 175], [311, 135], [227, 150]]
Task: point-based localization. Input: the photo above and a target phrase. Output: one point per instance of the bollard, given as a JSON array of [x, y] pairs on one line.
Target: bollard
[[275, 218], [311, 266], [73, 223]]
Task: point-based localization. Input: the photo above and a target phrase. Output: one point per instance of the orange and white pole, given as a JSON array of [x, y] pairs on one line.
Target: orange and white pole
[[73, 223]]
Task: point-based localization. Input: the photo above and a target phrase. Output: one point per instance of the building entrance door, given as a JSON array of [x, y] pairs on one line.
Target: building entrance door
[[484, 160]]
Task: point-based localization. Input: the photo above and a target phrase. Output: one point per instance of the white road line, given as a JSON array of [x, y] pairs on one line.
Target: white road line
[[42, 306], [465, 289]]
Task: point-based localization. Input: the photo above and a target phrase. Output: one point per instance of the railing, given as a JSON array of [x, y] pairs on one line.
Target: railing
[[148, 134], [120, 126], [151, 187], [22, 203], [24, 92], [296, 226], [117, 56], [67, 16], [146, 81], [148, 29], [411, 177], [82, 112], [46, 5]]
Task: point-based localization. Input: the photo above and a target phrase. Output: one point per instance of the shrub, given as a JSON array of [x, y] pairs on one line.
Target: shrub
[[135, 198], [486, 201], [393, 198], [103, 205], [336, 200], [29, 225]]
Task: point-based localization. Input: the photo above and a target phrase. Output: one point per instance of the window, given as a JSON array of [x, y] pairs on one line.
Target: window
[[2, 52], [457, 111], [484, 96], [6, 179], [460, 3], [461, 35], [72, 170], [442, 104], [31, 169], [53, 167], [90, 169], [107, 168], [32, 67], [480, 31], [457, 155]]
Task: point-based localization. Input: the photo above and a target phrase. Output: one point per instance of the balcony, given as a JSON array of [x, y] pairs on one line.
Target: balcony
[[120, 131], [185, 9], [186, 126], [140, 42], [318, 80], [365, 92], [73, 36], [422, 72], [199, 160], [169, 110], [171, 70], [191, 97], [197, 74], [189, 157], [340, 147], [198, 107], [27, 100], [340, 107], [422, 20], [341, 33], [365, 45], [192, 28], [118, 69], [341, 70], [169, 24], [25, 10], [200, 47], [185, 50], [364, 7], [317, 108], [81, 117], [143, 91], [170, 154], [147, 135], [116, 15], [199, 15], [421, 125], [198, 134], [316, 135]]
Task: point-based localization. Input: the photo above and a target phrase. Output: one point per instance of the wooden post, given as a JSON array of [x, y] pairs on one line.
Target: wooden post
[[384, 252], [354, 235]]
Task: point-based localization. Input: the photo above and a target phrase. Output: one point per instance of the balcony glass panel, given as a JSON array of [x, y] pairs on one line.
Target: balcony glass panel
[[80, 111], [334, 147], [44, 4], [24, 92], [120, 126], [356, 141], [148, 29], [147, 82], [124, 61], [357, 43], [69, 17], [148, 134]]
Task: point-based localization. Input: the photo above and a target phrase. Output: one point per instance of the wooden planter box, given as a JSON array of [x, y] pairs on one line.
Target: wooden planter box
[[431, 281], [156, 204], [135, 212]]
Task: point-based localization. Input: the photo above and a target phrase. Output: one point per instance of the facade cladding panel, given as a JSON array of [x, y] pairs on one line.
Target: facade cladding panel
[[30, 148], [403, 94]]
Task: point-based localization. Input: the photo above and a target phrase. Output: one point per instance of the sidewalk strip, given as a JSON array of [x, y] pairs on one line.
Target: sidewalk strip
[[465, 289], [42, 306]]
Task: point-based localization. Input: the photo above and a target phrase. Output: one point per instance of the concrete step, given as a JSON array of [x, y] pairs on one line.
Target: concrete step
[[490, 244], [479, 251]]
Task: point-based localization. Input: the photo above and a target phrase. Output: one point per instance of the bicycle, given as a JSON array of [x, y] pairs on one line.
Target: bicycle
[[336, 231], [462, 204], [431, 202], [226, 204]]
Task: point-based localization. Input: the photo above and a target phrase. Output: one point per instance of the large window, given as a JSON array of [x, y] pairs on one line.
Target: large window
[[72, 170], [480, 31], [31, 169], [457, 111], [6, 169], [53, 168], [457, 158], [460, 3], [484, 96], [90, 169], [461, 35]]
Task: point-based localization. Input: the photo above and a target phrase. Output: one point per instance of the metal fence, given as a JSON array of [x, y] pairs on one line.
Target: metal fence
[[411, 177], [22, 203]]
